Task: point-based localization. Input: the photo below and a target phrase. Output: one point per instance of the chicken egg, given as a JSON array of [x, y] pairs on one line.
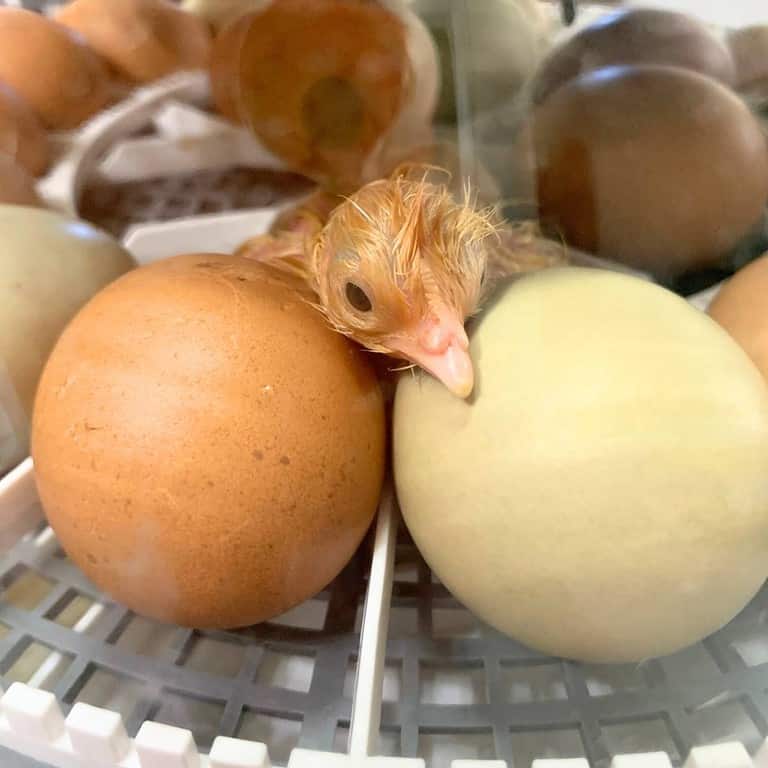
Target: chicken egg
[[22, 136], [60, 78], [660, 168], [636, 36], [17, 187], [143, 40], [741, 307], [749, 47], [603, 495], [50, 265], [206, 448]]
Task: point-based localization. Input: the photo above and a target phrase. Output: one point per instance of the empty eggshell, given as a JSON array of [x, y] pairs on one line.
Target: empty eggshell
[[660, 168], [604, 493], [22, 136], [741, 307], [144, 40], [60, 78], [636, 36], [206, 448], [322, 114]]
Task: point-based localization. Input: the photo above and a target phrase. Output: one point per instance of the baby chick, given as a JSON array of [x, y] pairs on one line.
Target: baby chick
[[399, 267]]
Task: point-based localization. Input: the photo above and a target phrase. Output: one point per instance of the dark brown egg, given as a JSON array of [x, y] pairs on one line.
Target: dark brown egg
[[207, 450], [636, 36], [657, 167]]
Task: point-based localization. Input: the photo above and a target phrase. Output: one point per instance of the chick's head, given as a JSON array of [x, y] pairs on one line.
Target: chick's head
[[400, 266]]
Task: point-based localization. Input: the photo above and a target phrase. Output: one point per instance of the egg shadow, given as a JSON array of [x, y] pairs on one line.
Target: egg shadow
[[497, 294]]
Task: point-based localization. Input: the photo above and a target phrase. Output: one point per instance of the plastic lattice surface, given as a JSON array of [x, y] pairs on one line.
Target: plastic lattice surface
[[455, 688], [287, 683], [116, 207]]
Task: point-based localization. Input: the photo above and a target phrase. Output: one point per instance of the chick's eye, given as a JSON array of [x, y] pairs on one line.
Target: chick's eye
[[358, 298]]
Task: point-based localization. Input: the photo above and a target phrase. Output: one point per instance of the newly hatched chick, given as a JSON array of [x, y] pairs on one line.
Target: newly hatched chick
[[399, 266]]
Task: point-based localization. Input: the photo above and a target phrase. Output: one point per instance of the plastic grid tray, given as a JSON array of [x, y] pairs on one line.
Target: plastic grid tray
[[451, 688]]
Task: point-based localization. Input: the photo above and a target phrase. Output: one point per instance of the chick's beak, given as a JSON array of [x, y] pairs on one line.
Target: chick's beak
[[440, 346]]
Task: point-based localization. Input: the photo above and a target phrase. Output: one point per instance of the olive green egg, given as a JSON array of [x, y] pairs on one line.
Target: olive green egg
[[50, 265]]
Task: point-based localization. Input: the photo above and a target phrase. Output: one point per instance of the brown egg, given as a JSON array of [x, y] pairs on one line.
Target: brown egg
[[636, 36], [749, 47], [17, 187], [741, 307], [207, 450], [62, 80], [144, 40], [319, 82], [22, 136], [658, 167]]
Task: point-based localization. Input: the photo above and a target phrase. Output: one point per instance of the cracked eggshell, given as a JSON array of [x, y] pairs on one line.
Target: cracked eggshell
[[206, 448], [604, 494]]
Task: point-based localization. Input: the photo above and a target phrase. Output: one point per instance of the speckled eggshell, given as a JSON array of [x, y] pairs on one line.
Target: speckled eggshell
[[207, 450], [604, 494], [50, 265], [741, 307]]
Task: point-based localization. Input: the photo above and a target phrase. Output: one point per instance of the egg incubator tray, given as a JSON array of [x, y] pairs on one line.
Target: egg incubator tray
[[384, 662], [384, 669]]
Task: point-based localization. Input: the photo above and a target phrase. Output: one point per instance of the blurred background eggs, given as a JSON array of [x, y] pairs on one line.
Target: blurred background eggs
[[749, 46], [22, 136], [206, 448], [60, 77], [636, 36], [143, 40], [506, 41], [17, 187], [50, 265], [741, 307], [660, 168], [603, 495]]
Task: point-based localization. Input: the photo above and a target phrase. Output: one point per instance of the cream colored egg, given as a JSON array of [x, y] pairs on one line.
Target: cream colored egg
[[50, 266], [604, 495]]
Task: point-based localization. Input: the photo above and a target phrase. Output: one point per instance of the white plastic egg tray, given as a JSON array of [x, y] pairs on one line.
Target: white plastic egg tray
[[384, 669]]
